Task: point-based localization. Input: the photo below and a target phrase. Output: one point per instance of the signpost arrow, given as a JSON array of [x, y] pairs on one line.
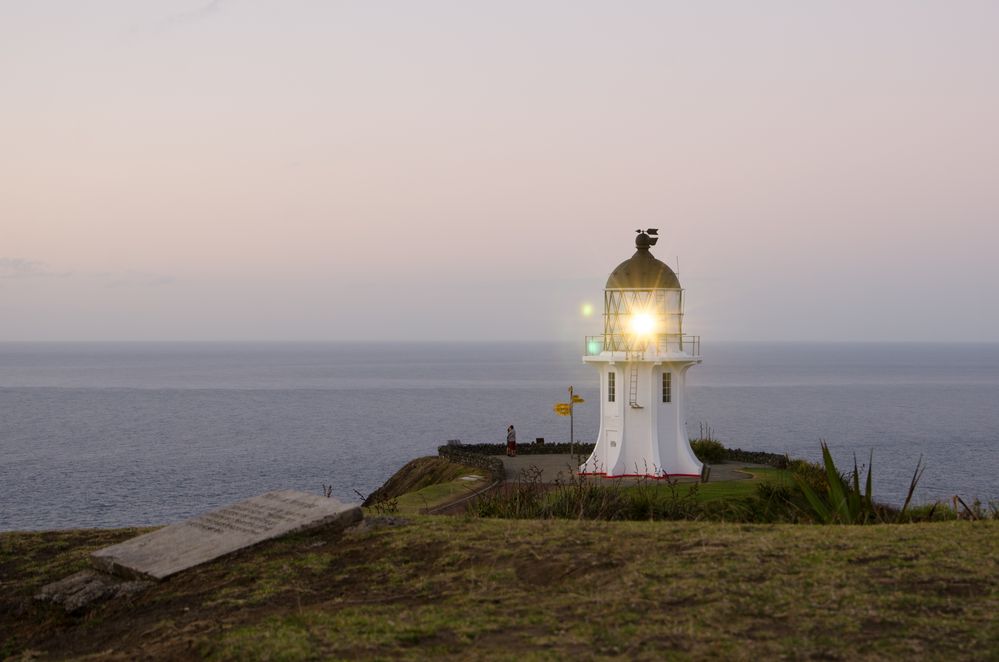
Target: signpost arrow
[[565, 409]]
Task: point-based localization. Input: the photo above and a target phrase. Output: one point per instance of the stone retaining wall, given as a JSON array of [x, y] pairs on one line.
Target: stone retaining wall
[[469, 451], [459, 455], [562, 448]]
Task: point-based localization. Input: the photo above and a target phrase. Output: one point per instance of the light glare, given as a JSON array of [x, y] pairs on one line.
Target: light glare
[[642, 324]]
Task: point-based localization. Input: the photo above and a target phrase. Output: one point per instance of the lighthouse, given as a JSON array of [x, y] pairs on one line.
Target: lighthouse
[[642, 359]]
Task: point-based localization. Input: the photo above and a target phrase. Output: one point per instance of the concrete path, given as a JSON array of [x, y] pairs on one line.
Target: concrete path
[[560, 467]]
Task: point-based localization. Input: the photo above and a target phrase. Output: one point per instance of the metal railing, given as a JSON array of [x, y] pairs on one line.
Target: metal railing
[[663, 344]]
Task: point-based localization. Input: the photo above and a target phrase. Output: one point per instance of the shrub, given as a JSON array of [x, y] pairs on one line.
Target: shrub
[[810, 474], [976, 511], [811, 493], [756, 457], [592, 499], [931, 512], [708, 450], [585, 500], [663, 501], [844, 503]]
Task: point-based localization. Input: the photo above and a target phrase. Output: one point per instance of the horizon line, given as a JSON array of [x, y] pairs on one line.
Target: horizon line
[[465, 341]]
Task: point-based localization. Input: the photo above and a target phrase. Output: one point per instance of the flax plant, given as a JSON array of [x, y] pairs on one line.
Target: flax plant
[[844, 503]]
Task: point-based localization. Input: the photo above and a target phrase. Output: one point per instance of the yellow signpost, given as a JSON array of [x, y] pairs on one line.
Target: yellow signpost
[[565, 409]]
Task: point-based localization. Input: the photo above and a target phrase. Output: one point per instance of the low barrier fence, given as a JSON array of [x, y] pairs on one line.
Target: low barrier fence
[[562, 448], [477, 455]]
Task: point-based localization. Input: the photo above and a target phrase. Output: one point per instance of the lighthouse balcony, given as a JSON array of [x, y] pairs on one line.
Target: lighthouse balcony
[[660, 346]]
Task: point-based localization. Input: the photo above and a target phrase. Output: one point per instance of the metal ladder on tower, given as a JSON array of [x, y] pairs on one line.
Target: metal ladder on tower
[[633, 386]]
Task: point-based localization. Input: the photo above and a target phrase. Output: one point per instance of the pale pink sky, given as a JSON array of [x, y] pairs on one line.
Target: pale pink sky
[[444, 170]]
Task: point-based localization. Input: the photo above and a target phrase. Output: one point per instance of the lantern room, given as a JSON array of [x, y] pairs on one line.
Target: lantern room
[[643, 306]]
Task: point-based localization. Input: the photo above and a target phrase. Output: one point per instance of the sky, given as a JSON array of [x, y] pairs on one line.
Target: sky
[[470, 170]]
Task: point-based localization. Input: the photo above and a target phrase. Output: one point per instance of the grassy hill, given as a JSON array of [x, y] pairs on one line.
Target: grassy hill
[[501, 589]]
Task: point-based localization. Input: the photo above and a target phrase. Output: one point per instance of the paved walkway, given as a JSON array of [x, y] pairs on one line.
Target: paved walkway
[[560, 467]]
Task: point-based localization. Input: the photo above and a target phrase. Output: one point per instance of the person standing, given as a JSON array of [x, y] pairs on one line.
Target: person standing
[[511, 442]]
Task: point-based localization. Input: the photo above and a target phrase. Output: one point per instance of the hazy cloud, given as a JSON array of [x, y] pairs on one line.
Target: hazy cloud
[[16, 267], [181, 19], [12, 268], [417, 171], [135, 279]]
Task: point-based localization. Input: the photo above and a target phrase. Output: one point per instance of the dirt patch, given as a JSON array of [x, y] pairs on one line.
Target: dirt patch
[[879, 626], [948, 587], [545, 572]]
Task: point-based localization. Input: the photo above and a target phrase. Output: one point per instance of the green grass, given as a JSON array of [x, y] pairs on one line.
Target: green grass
[[642, 499], [418, 474], [738, 489], [504, 589], [464, 588], [413, 503]]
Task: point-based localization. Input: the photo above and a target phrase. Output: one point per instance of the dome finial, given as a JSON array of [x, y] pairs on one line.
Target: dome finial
[[642, 271], [646, 238]]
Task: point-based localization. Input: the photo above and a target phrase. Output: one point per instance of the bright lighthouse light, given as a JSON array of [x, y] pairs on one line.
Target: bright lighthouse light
[[642, 324]]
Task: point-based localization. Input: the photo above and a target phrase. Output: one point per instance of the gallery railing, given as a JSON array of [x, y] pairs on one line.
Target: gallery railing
[[659, 345]]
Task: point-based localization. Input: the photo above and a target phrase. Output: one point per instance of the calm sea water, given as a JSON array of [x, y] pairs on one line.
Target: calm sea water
[[145, 433]]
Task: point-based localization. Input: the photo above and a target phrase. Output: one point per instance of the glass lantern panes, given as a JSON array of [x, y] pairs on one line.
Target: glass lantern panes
[[636, 320]]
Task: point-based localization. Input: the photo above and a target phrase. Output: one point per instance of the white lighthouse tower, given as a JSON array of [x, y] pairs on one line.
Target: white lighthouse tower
[[642, 358]]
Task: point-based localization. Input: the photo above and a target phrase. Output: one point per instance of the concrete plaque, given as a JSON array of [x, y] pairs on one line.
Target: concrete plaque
[[201, 539]]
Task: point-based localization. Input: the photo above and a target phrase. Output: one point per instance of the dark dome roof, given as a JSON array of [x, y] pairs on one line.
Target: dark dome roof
[[642, 271]]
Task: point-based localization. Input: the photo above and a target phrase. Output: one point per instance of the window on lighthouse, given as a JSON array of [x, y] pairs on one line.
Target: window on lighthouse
[[667, 387], [610, 387]]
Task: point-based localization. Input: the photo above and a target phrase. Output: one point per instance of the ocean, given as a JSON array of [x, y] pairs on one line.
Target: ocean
[[123, 434]]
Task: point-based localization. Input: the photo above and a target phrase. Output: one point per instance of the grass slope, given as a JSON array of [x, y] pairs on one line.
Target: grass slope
[[440, 494], [457, 587], [419, 474]]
